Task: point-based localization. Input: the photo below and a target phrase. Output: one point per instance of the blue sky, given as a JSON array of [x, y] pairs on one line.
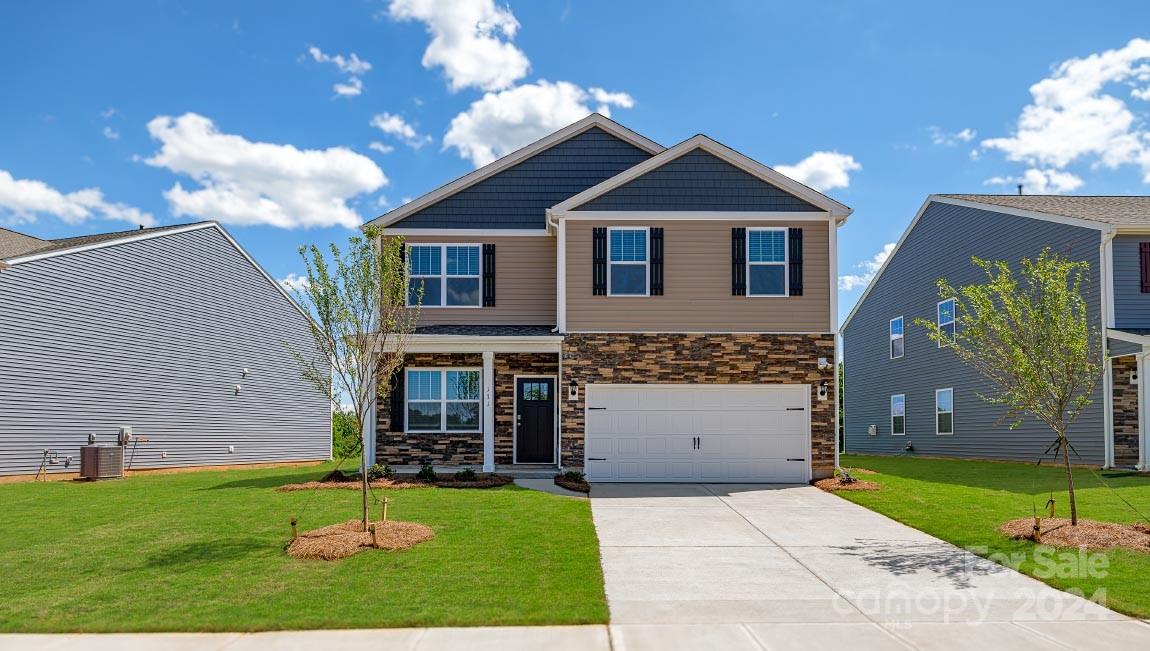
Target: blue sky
[[168, 112]]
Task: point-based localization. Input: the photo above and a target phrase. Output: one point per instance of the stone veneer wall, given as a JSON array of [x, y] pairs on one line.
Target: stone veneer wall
[[437, 448], [1125, 411], [603, 358], [507, 366], [454, 449]]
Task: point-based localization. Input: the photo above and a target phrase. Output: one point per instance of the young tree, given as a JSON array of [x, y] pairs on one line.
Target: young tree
[[1031, 336], [360, 324]]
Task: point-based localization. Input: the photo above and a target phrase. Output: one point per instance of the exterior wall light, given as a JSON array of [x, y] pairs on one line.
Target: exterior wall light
[[572, 390]]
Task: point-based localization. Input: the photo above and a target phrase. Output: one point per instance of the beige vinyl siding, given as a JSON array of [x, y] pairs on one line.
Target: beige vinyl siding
[[524, 282], [697, 284]]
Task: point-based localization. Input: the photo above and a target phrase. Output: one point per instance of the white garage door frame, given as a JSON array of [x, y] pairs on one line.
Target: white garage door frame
[[587, 390]]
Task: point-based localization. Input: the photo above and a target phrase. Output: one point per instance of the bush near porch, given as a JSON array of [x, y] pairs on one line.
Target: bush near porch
[[203, 551], [964, 502]]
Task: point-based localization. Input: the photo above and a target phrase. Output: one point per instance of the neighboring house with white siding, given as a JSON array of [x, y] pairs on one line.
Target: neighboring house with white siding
[[906, 395], [174, 331]]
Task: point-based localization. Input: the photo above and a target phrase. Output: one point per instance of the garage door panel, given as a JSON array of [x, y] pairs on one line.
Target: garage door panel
[[745, 433]]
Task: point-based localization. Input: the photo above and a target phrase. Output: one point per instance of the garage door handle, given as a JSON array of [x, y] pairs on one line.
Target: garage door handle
[[596, 459], [796, 408], [796, 459], [597, 408]]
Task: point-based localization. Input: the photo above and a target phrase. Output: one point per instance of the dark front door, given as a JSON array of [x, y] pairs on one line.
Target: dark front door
[[535, 420]]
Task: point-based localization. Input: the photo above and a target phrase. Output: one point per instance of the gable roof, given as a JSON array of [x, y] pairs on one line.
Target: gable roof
[[62, 244], [516, 157], [701, 142], [13, 243], [1115, 210]]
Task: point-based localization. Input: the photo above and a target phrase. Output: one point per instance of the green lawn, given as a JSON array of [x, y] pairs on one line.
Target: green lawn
[[202, 551], [963, 502]]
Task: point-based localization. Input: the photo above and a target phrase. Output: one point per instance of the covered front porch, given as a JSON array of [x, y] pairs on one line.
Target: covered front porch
[[1128, 398], [480, 397]]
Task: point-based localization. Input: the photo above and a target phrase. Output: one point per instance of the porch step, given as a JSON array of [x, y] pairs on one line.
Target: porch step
[[528, 470]]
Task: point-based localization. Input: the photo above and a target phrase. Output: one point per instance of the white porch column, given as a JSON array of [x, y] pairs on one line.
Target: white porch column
[[488, 412], [1143, 457], [368, 432], [1108, 412]]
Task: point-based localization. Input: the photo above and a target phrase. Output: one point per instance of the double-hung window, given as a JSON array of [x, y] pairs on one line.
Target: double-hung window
[[447, 275], [946, 319], [944, 411], [766, 262], [627, 260], [442, 400], [898, 415], [896, 338]]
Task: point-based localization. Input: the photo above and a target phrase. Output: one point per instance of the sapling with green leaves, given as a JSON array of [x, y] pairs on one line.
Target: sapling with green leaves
[[1031, 335], [357, 298]]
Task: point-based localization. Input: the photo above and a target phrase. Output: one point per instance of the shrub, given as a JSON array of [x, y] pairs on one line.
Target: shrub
[[345, 436], [467, 474], [380, 471], [573, 475], [427, 474]]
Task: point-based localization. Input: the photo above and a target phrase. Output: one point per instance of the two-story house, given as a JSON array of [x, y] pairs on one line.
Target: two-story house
[[906, 395], [595, 300]]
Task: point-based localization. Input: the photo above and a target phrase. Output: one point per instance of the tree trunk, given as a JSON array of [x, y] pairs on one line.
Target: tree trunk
[[363, 477], [1069, 479]]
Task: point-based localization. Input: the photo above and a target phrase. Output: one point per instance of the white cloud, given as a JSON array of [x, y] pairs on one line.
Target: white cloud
[[1037, 181], [109, 112], [499, 123], [606, 99], [351, 65], [947, 139], [244, 182], [111, 134], [823, 170], [380, 147], [396, 126], [24, 199], [294, 282], [1073, 118], [470, 40], [868, 269]]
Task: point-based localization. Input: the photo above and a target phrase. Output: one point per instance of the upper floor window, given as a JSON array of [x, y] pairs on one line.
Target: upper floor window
[[448, 275], [766, 262], [442, 400], [898, 414], [627, 259], [946, 318], [944, 411], [896, 338]]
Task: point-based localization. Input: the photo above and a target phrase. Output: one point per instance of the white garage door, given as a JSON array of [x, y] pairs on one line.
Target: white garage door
[[697, 433]]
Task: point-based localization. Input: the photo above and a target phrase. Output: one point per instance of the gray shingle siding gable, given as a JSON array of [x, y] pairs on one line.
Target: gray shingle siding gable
[[698, 181], [1131, 306], [940, 245], [154, 334], [519, 196]]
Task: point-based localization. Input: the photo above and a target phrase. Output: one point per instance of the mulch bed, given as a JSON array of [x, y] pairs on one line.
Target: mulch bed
[[861, 471], [577, 486], [1088, 534], [482, 481], [341, 540], [835, 484]]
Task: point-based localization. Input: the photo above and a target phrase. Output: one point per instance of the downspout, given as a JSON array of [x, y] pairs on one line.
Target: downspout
[[1107, 318], [560, 304]]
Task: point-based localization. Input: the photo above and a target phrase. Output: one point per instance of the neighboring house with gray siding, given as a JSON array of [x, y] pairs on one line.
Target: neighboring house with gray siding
[[906, 395], [174, 331]]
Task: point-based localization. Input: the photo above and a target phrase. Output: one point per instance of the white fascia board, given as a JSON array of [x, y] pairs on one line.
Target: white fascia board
[[516, 157], [1083, 223], [467, 232], [753, 167], [695, 215], [481, 344], [147, 235], [1129, 337]]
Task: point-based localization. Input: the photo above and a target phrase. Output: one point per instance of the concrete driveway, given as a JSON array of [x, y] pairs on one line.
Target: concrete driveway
[[753, 567]]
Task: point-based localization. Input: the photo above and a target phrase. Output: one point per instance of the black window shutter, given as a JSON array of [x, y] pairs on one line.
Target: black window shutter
[[599, 261], [397, 406], [1144, 263], [738, 262], [795, 260], [488, 275], [656, 262]]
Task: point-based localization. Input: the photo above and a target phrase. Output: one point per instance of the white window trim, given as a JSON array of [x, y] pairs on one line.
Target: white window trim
[[785, 263], [953, 318], [903, 396], [937, 412], [646, 261], [443, 276], [890, 332], [443, 401]]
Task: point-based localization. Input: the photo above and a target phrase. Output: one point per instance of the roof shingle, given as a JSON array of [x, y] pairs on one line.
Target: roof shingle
[[1117, 210]]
